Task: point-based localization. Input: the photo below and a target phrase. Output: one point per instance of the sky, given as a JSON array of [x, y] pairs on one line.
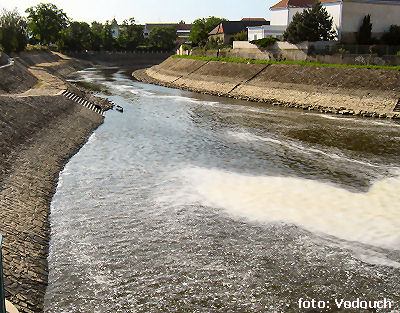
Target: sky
[[147, 11]]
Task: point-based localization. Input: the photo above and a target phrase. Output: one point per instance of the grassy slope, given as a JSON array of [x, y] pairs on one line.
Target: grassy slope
[[302, 63]]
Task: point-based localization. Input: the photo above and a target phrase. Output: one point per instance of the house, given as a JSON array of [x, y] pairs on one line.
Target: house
[[347, 14], [114, 29], [225, 31], [182, 30], [264, 31]]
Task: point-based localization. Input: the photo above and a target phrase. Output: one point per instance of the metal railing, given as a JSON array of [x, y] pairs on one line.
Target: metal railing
[[2, 293]]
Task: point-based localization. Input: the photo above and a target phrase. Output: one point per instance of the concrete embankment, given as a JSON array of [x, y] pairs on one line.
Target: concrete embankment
[[40, 131], [350, 91]]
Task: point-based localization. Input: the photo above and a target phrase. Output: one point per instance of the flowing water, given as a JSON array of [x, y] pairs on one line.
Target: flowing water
[[191, 203]]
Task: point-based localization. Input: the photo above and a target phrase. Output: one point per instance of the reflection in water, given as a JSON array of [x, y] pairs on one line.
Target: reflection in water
[[191, 203]]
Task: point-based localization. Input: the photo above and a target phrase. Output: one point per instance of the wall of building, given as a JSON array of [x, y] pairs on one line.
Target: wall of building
[[335, 11], [255, 33], [382, 16], [279, 17]]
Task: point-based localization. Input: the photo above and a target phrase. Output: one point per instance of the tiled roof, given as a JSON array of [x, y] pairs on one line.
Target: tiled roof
[[283, 4], [257, 19]]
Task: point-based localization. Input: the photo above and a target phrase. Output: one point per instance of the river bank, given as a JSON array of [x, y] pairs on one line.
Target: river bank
[[41, 130], [348, 91]]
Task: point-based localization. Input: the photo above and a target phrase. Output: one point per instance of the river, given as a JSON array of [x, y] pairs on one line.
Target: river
[[193, 203]]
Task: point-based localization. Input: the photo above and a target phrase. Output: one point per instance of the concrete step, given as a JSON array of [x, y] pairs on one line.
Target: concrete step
[[397, 107], [82, 102]]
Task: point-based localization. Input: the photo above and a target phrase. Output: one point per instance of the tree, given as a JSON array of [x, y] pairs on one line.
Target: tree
[[97, 30], [131, 35], [392, 37], [109, 42], [201, 28], [13, 34], [45, 22], [364, 36], [313, 24], [163, 37], [77, 37]]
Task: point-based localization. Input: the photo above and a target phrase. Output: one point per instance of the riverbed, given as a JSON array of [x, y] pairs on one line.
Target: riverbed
[[193, 203]]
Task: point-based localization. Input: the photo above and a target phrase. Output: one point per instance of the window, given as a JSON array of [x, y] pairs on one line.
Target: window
[[255, 37]]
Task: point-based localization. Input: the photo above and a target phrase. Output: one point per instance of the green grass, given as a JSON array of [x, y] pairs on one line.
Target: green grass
[[301, 63]]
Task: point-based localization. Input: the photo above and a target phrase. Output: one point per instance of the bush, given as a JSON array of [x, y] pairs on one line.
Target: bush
[[392, 37], [214, 43], [242, 36], [186, 47], [265, 42]]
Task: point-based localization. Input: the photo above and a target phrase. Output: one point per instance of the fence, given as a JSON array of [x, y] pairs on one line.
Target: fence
[[2, 294]]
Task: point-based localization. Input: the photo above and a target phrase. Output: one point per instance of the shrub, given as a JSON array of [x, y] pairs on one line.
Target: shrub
[[242, 36], [186, 47], [265, 42], [214, 43]]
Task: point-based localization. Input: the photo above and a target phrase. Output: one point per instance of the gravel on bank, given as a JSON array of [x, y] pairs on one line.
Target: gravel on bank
[[38, 136]]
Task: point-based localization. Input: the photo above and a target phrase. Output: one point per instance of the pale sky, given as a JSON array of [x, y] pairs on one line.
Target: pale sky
[[145, 11]]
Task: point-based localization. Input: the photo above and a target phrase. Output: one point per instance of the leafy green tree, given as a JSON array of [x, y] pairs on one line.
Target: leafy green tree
[[13, 31], [131, 35], [392, 37], [364, 36], [163, 38], [97, 30], [45, 22], [77, 37], [109, 42], [313, 24], [201, 28]]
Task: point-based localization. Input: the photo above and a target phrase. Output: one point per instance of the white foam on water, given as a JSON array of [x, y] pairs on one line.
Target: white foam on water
[[358, 120], [179, 98], [371, 218], [249, 137]]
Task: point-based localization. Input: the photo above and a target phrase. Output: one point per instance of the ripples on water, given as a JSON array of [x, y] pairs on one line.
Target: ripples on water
[[190, 203]]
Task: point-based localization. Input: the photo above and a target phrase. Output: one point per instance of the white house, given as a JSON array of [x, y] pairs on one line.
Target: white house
[[347, 16], [264, 31]]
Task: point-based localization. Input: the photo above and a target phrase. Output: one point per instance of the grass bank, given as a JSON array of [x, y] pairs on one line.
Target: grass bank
[[287, 62]]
